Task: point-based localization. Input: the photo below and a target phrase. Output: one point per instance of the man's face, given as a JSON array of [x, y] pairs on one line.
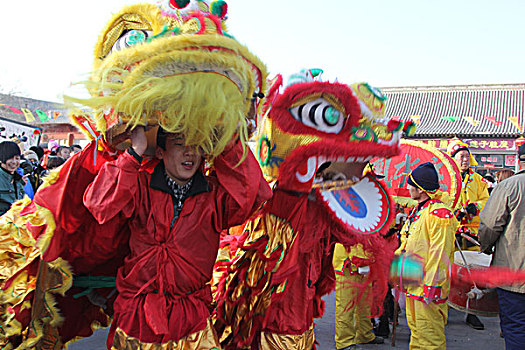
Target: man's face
[[64, 153], [181, 162], [462, 159], [11, 164], [415, 193]]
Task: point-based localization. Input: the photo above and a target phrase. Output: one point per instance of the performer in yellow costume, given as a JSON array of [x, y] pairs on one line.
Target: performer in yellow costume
[[352, 326], [428, 234], [474, 195]]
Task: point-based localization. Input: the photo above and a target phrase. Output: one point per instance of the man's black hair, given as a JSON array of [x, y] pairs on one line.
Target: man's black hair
[[38, 150], [8, 149], [54, 162], [161, 138], [59, 148]]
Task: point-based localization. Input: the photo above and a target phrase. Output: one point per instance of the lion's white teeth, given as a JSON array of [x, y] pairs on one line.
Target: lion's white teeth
[[310, 172]]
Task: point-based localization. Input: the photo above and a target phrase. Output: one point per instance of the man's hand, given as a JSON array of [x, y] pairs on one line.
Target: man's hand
[[489, 250], [460, 214], [139, 141]]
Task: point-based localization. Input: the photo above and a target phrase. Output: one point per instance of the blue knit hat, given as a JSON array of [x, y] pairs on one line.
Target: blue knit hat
[[424, 177]]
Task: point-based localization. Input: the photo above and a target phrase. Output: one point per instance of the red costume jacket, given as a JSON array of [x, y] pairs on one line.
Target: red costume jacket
[[163, 286]]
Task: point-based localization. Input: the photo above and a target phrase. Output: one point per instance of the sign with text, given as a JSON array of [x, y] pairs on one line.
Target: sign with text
[[477, 144], [510, 160], [494, 160]]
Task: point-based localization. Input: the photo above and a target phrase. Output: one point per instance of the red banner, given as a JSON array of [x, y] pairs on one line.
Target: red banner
[[413, 153]]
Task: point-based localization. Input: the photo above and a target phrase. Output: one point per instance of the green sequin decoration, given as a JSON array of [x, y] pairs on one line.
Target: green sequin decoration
[[363, 134], [264, 152]]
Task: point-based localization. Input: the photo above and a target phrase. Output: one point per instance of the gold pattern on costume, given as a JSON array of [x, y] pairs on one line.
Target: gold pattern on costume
[[283, 142], [205, 339], [370, 98], [191, 26], [382, 132], [328, 97], [332, 185]]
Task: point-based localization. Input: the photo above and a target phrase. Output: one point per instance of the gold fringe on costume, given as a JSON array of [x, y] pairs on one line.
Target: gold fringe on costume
[[288, 341], [20, 288], [241, 307]]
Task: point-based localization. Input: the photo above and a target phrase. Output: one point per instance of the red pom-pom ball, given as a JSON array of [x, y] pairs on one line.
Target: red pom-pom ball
[[393, 125]]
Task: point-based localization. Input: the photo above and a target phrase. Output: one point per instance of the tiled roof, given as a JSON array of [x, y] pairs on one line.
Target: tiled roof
[[433, 103]]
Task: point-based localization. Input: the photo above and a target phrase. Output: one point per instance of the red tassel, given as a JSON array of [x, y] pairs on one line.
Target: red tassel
[[491, 277]]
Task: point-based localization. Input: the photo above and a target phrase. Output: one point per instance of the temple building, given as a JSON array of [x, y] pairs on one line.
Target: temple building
[[490, 118]]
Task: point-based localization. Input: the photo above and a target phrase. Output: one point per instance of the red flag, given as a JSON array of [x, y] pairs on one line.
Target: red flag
[[493, 120], [16, 110]]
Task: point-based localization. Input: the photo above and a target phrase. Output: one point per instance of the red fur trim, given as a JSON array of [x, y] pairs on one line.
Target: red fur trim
[[360, 262], [342, 92]]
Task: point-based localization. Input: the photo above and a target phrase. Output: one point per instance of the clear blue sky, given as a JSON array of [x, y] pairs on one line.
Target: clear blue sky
[[48, 44]]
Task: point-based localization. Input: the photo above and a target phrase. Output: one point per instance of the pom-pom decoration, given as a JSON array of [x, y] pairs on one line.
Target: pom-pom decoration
[[409, 128], [316, 72], [394, 125], [219, 8], [179, 4], [304, 76]]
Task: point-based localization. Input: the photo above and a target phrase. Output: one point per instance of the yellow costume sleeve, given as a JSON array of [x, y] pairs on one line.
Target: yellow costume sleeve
[[483, 194], [341, 255], [441, 226]]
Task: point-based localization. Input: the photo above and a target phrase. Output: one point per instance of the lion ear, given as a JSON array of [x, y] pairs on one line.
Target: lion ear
[[273, 91]]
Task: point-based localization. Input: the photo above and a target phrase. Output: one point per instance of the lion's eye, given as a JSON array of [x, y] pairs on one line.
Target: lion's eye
[[319, 114], [130, 38]]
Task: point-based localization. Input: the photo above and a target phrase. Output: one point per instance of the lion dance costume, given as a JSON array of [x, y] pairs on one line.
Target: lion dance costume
[[271, 288], [172, 65]]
